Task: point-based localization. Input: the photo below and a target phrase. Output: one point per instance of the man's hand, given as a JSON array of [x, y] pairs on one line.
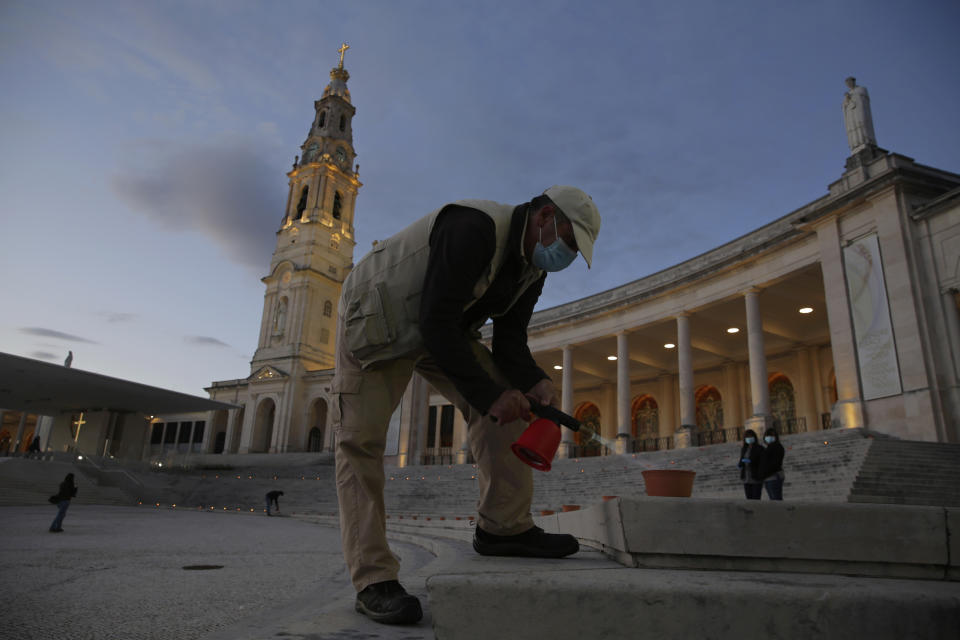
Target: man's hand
[[511, 405], [545, 393]]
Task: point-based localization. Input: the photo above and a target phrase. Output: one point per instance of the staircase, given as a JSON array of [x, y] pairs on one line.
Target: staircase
[[909, 472], [823, 466], [31, 482], [820, 467]]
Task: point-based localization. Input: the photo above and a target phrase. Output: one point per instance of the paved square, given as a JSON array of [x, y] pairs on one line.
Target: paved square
[[117, 572]]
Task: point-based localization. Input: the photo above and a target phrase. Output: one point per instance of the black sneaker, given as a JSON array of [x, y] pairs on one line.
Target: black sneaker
[[389, 603], [532, 543]]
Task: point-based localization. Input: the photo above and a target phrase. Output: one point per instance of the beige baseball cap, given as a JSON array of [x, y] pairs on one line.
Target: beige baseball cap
[[579, 208]]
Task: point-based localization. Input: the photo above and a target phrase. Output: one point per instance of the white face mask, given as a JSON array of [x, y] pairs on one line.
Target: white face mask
[[557, 256], [749, 440], [769, 439]]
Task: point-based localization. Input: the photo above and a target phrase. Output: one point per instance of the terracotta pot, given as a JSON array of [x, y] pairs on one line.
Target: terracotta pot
[[675, 483], [547, 512], [609, 498], [570, 507]]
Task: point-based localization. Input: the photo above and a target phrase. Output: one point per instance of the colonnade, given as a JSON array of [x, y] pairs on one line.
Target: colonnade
[[760, 417]]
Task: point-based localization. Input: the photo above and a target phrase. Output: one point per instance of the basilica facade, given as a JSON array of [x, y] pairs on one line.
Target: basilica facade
[[842, 313]]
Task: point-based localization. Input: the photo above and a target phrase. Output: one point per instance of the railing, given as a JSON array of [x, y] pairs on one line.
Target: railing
[[660, 443], [717, 436], [589, 451], [443, 455], [118, 477], [790, 425]]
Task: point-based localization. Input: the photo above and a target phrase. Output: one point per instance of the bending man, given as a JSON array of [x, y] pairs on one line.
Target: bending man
[[416, 303]]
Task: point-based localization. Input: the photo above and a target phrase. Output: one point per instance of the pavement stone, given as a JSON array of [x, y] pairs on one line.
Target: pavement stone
[[117, 572]]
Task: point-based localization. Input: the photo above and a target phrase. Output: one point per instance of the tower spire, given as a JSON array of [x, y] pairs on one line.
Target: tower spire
[[315, 241]]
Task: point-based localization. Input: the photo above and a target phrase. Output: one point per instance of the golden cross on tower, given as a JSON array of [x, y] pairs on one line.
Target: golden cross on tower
[[342, 50]]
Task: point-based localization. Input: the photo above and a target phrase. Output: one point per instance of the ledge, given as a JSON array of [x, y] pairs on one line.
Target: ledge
[[877, 540]]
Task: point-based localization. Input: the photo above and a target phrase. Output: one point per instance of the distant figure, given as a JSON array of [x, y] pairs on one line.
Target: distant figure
[[34, 445], [857, 117], [69, 359], [751, 458], [62, 499], [772, 468], [272, 499]]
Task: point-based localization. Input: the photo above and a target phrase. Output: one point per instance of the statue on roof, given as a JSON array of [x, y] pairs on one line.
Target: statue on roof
[[857, 117]]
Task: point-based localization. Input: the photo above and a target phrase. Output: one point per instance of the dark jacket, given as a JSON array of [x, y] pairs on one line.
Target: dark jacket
[[67, 490], [755, 453], [462, 245], [772, 460]]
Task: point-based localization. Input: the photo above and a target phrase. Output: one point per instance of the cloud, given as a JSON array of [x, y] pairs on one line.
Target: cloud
[[117, 316], [59, 335], [44, 355], [205, 341], [226, 192]]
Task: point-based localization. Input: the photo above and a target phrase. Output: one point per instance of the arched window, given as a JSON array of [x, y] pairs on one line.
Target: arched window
[[783, 406], [315, 442], [303, 202], [323, 119], [219, 442], [337, 205], [709, 409], [645, 417], [343, 122], [328, 308], [589, 415]]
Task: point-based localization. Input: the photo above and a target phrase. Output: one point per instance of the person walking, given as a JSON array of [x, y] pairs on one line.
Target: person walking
[[772, 468], [751, 459], [273, 499], [62, 498], [415, 303]]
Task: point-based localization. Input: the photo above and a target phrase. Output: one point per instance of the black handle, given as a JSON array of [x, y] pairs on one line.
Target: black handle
[[554, 414]]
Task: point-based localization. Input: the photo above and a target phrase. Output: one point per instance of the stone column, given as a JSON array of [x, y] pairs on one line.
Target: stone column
[[731, 396], [667, 406], [231, 419], [623, 393], [207, 428], [805, 389], [759, 387], [817, 382], [953, 329], [566, 400], [461, 431], [20, 427], [848, 411], [688, 419], [246, 430], [419, 414]]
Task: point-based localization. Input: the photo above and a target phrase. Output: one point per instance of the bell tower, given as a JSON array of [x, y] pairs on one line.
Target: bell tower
[[315, 241]]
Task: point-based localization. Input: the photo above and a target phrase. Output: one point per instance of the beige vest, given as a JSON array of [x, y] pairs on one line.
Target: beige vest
[[380, 305]]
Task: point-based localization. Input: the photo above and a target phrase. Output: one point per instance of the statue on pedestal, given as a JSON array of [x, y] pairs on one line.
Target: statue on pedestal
[[857, 117]]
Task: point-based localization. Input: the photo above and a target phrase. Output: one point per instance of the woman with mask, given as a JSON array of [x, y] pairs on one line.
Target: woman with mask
[[772, 469], [751, 460]]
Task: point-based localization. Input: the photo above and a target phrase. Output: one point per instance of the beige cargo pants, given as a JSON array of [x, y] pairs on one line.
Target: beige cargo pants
[[364, 400]]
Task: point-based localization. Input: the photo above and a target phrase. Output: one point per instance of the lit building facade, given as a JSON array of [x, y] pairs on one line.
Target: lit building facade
[[842, 313]]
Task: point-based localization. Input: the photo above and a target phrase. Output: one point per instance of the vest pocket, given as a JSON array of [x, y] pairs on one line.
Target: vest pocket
[[369, 324]]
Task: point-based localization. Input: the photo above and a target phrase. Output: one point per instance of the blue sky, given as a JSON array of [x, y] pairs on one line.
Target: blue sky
[[145, 144]]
